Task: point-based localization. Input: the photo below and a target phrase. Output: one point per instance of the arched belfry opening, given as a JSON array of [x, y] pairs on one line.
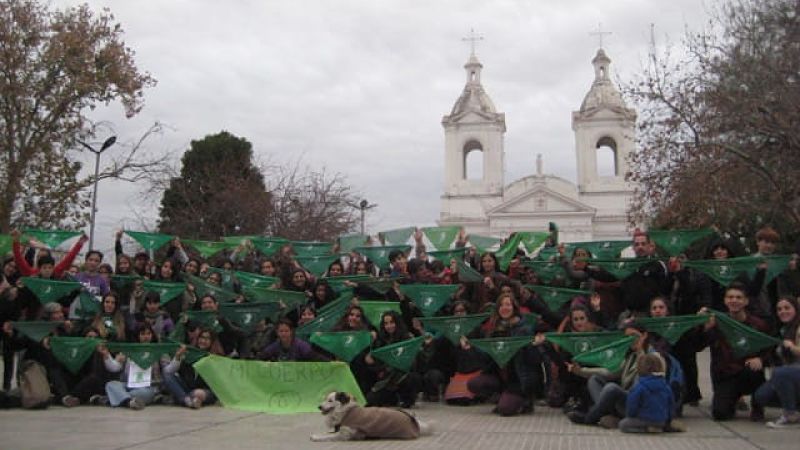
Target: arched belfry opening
[[473, 160], [607, 164]]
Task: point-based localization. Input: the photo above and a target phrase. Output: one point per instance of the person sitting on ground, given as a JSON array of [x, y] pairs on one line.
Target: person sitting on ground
[[649, 404]]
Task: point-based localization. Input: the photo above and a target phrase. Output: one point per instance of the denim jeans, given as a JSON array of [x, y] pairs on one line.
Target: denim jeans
[[782, 388], [118, 392], [608, 397]]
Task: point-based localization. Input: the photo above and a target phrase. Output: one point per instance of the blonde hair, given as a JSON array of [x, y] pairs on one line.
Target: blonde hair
[[650, 364]]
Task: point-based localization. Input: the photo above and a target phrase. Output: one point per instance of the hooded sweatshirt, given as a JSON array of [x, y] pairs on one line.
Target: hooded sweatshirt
[[650, 400]]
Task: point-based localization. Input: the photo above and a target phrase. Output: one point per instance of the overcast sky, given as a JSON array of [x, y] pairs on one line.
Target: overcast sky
[[360, 87]]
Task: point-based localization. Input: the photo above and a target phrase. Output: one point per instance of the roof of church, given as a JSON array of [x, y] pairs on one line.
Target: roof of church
[[603, 93], [473, 98]]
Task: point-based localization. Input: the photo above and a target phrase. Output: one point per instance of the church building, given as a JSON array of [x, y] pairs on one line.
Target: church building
[[594, 209]]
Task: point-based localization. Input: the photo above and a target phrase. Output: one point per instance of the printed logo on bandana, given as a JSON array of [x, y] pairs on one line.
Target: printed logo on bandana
[[741, 342], [48, 290], [584, 346], [500, 346], [428, 301], [247, 318], [399, 351], [73, 353], [723, 270], [456, 327], [349, 340]]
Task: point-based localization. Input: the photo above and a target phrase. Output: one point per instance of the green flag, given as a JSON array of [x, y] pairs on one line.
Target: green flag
[[380, 285], [399, 236], [144, 355], [445, 256], [429, 298], [453, 327], [49, 290], [373, 310], [51, 238], [600, 249], [316, 264], [268, 246], [577, 343], [205, 319], [326, 318], [208, 248], [194, 354], [73, 352], [400, 355], [349, 242], [467, 274], [483, 243], [546, 271], [5, 244], [508, 251], [502, 349], [676, 241], [441, 237], [346, 345], [239, 240], [725, 271], [248, 279], [36, 330], [202, 288], [671, 328], [120, 282], [744, 340], [380, 255], [167, 290], [622, 268], [150, 241], [609, 356], [247, 315], [556, 297], [337, 283], [291, 299], [308, 248], [275, 387], [88, 305]]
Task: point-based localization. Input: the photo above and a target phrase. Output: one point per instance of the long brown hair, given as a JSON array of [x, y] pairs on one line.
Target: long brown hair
[[116, 317]]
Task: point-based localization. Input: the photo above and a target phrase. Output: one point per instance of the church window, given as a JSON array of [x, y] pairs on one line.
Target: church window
[[473, 161], [607, 158]]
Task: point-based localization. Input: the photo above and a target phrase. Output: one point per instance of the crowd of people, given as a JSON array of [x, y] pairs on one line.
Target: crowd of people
[[647, 392]]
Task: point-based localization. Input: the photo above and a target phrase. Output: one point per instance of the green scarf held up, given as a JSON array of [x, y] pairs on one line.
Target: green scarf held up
[[144, 355], [380, 255], [316, 264], [51, 238], [453, 327], [546, 271], [744, 340], [73, 352], [337, 283], [150, 241], [400, 355], [429, 298], [373, 310], [49, 290], [467, 274], [5, 244], [346, 345], [530, 240], [239, 240], [268, 246], [671, 328], [292, 299], [725, 271], [208, 249], [247, 315], [399, 236], [445, 256], [676, 241], [202, 288], [166, 290], [609, 356], [600, 249], [441, 237], [36, 330], [380, 285], [502, 349], [556, 297], [349, 242], [311, 248], [205, 319], [621, 268], [192, 355], [577, 343], [248, 279], [88, 305], [326, 319], [120, 282], [483, 243]]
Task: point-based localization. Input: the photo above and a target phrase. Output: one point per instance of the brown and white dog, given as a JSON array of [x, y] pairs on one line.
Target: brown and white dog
[[350, 422]]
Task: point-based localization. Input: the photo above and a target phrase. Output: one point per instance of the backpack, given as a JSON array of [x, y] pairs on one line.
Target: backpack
[[33, 385]]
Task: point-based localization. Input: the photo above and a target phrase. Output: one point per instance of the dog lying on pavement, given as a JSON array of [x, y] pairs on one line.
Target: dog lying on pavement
[[350, 422]]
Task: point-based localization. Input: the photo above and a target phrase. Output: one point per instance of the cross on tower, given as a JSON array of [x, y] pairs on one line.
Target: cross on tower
[[472, 38], [599, 33]]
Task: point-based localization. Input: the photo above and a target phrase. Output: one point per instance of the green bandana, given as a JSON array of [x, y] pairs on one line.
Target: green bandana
[[5, 244], [373, 310], [453, 327], [429, 298], [292, 299], [150, 241], [483, 243], [743, 339], [546, 271], [676, 241], [205, 319], [73, 352], [192, 355], [239, 240], [622, 268], [399, 236], [441, 237], [379, 285], [51, 238], [49, 290], [36, 330], [467, 274], [346, 345], [725, 271], [348, 243], [208, 248], [326, 318], [120, 282], [577, 343], [88, 305], [671, 328], [600, 249], [445, 256], [166, 290], [316, 264], [144, 355], [380, 255], [400, 355], [249, 280], [268, 246], [337, 283], [502, 349], [609, 356], [556, 297], [247, 315], [306, 248], [202, 288]]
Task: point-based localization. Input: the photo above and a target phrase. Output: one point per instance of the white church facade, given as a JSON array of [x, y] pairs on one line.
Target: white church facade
[[594, 209]]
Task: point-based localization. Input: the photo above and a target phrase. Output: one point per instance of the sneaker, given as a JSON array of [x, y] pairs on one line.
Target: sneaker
[[741, 405], [577, 417], [196, 403], [187, 401], [98, 400], [609, 422], [654, 430], [785, 420], [70, 401], [136, 404], [675, 426]]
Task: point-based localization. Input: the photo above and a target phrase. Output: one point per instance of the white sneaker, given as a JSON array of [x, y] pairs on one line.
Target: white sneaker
[[136, 404], [785, 420]]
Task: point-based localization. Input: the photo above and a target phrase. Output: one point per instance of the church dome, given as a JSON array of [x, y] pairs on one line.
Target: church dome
[[473, 98], [603, 93]]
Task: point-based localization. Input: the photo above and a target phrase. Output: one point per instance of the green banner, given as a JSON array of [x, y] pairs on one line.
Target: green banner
[[445, 256], [380, 255], [202, 288], [317, 264], [51, 238], [399, 236], [441, 237], [725, 271], [400, 355], [349, 242], [292, 299], [671, 328], [268, 246], [326, 318], [676, 241], [150, 241], [276, 387], [73, 352], [311, 248], [622, 268], [502, 349], [208, 248], [467, 274], [577, 343], [254, 280], [744, 340], [556, 297], [609, 356], [144, 355], [453, 327], [247, 315], [49, 290], [346, 345], [546, 271], [429, 298], [373, 310], [36, 330], [167, 290], [600, 249], [483, 243]]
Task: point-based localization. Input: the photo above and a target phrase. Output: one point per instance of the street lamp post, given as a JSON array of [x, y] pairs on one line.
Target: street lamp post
[[108, 143], [363, 206]]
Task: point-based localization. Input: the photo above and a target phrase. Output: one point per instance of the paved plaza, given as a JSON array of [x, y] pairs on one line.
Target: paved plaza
[[462, 428]]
